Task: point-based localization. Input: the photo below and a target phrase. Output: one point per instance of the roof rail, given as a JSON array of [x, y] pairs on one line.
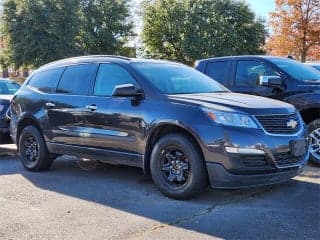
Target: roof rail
[[83, 57], [111, 56]]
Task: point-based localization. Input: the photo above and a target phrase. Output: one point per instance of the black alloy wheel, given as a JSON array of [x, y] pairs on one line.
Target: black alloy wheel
[[177, 166], [33, 150]]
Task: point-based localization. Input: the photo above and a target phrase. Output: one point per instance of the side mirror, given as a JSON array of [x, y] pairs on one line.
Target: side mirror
[[270, 81], [126, 90]]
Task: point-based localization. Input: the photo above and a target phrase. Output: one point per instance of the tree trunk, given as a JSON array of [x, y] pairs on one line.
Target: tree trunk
[[25, 72], [5, 72], [303, 57]]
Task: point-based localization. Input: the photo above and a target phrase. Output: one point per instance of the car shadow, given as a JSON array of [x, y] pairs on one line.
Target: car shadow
[[128, 189]]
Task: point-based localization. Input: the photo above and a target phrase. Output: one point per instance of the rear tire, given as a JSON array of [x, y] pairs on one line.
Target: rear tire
[[33, 150], [314, 145], [177, 167]]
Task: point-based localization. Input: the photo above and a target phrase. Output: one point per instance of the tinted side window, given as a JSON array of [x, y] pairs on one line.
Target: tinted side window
[[8, 87], [109, 76], [218, 71], [248, 73], [76, 79], [46, 81]]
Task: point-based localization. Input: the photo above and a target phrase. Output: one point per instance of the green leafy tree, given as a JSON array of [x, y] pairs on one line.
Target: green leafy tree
[[105, 26], [40, 31], [186, 30]]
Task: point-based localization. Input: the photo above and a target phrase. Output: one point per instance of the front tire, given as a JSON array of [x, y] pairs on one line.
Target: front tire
[[314, 144], [177, 167], [33, 151]]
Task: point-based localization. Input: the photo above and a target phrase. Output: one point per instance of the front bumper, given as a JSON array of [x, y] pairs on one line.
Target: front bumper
[[219, 177], [237, 157]]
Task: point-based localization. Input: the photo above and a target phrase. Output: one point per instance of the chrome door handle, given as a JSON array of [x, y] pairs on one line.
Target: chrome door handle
[[50, 104], [92, 107]]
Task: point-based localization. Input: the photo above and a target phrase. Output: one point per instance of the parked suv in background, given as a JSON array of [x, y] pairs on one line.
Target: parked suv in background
[[7, 89], [164, 117], [279, 78]]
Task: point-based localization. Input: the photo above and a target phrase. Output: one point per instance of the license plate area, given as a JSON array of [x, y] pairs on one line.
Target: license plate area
[[299, 147]]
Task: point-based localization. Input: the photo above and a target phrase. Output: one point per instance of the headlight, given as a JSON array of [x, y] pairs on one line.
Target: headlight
[[1, 108], [230, 119]]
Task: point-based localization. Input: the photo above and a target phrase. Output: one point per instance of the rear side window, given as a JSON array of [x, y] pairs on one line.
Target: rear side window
[[109, 76], [76, 79], [46, 81], [218, 71]]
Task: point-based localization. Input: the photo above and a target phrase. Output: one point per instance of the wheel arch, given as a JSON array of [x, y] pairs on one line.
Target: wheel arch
[[311, 113], [162, 129], [23, 122]]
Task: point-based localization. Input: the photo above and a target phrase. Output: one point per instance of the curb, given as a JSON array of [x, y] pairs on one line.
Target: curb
[[8, 149]]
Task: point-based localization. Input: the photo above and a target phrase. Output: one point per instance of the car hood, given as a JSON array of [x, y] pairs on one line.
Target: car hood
[[228, 101], [309, 85]]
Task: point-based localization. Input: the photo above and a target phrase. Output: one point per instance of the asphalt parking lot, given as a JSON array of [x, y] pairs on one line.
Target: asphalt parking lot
[[117, 202]]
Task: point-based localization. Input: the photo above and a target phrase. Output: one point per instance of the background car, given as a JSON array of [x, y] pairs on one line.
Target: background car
[[275, 77], [7, 89], [314, 65]]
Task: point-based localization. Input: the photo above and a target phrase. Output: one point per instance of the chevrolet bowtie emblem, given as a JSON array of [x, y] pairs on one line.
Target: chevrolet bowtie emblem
[[292, 123]]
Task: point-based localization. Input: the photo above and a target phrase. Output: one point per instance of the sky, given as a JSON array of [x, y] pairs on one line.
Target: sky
[[262, 7]]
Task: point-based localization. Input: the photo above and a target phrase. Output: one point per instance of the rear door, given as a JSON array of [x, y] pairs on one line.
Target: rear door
[[65, 108]]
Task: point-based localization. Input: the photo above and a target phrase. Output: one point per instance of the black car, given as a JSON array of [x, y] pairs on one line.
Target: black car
[[164, 117], [275, 77], [7, 89]]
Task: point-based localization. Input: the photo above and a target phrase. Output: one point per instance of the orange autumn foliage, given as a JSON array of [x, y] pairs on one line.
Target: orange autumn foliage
[[295, 29]]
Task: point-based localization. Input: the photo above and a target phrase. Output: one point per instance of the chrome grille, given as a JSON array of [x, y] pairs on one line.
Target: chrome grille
[[280, 124]]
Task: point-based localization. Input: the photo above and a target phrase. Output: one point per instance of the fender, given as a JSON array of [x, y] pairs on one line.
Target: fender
[[14, 125], [158, 124], [305, 100]]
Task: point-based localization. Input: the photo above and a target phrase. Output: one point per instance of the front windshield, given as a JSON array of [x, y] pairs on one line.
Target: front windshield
[[8, 88], [171, 78], [297, 70]]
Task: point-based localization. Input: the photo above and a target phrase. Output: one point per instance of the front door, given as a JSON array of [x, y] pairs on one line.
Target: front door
[[115, 124], [247, 76]]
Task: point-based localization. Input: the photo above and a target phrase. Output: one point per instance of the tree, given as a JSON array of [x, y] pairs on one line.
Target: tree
[[186, 30], [40, 31], [5, 62], [105, 26], [296, 29]]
